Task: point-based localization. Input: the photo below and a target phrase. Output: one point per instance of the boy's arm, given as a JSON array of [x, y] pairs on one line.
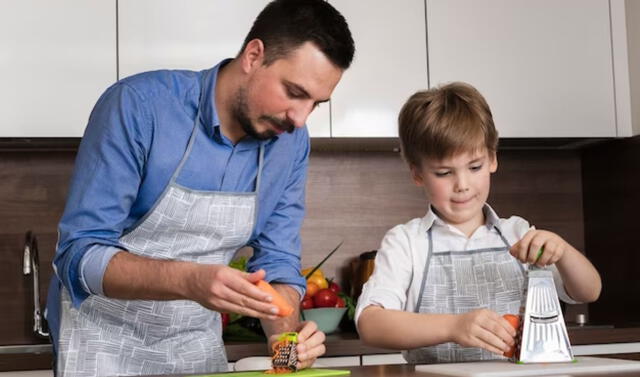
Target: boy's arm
[[398, 329], [580, 278]]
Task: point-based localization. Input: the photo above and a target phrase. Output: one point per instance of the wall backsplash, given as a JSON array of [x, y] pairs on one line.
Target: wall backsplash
[[351, 196]]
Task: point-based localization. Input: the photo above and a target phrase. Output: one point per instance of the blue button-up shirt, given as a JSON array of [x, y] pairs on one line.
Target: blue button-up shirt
[[136, 136]]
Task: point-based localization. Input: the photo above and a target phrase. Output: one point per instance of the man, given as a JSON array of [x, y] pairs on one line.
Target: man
[[176, 171]]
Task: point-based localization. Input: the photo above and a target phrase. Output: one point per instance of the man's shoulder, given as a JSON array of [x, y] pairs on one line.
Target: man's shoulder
[[162, 82]]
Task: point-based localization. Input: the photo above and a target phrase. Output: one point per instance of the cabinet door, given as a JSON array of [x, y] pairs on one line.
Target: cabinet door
[[544, 66], [390, 64], [196, 35], [57, 57]]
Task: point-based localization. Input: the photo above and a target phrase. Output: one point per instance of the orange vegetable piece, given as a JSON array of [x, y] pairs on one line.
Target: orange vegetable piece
[[514, 321], [284, 308]]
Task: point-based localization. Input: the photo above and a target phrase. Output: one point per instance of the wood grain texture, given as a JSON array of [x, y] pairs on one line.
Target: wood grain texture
[[355, 196], [611, 175], [32, 197]]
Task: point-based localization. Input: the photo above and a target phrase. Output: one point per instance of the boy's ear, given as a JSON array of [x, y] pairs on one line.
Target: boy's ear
[[493, 165], [416, 175]]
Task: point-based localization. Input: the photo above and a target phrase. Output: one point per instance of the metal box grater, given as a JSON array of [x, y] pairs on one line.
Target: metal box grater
[[543, 336]]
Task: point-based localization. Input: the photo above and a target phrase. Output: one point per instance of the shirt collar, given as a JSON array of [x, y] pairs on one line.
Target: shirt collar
[[431, 218], [209, 113]]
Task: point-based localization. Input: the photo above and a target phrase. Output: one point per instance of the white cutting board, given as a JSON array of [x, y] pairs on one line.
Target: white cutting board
[[504, 368]]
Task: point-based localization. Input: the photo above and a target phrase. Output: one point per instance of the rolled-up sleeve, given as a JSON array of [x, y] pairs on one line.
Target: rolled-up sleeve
[[107, 174], [389, 283], [277, 248]]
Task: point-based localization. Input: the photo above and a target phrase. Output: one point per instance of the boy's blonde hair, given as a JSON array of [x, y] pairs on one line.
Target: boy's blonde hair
[[441, 122]]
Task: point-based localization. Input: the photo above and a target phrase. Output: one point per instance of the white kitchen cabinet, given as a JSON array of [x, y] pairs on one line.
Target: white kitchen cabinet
[[545, 67], [57, 57], [390, 64], [195, 35]]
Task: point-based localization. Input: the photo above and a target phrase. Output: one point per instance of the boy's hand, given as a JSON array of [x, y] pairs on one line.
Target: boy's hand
[[484, 328], [539, 247]]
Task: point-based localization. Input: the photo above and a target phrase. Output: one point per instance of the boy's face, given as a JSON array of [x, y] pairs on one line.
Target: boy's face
[[458, 187]]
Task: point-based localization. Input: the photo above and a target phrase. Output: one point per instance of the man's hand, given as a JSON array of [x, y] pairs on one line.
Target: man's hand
[[310, 343], [225, 289], [483, 328], [540, 247]]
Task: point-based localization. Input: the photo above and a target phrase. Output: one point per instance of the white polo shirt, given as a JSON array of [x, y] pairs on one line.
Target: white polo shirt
[[400, 261]]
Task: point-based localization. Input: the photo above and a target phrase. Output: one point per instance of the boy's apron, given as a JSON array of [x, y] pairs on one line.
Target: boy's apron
[[109, 337], [458, 282]]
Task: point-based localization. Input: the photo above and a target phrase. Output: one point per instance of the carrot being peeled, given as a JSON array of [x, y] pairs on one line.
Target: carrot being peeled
[[284, 308]]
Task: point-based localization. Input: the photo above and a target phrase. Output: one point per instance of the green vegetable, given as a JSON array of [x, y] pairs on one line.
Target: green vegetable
[[350, 304], [239, 263]]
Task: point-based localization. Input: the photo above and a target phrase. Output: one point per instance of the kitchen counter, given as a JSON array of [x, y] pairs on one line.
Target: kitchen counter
[[346, 344], [340, 344], [410, 371]]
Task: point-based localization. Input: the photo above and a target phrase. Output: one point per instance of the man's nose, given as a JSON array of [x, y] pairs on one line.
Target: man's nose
[[299, 113]]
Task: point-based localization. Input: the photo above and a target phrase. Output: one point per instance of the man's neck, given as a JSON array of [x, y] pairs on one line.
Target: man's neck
[[227, 84]]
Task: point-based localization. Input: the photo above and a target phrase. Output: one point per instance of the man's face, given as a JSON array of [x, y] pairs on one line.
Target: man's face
[[279, 97], [458, 187]]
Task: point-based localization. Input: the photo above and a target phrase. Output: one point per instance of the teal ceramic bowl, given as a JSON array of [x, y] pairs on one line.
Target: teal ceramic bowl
[[327, 319]]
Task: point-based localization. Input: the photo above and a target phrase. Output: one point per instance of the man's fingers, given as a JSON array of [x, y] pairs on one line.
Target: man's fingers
[[244, 301], [243, 286], [306, 329]]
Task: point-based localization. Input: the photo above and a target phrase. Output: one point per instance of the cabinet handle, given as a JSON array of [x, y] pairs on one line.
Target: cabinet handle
[[31, 266]]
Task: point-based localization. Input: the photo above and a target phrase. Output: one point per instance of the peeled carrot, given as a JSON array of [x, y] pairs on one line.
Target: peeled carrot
[[284, 308], [514, 321]]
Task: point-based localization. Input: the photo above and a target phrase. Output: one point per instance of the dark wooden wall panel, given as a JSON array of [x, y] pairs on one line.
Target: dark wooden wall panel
[[611, 173], [33, 188], [351, 196]]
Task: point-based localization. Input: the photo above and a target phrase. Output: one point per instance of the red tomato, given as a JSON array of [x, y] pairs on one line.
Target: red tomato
[[225, 319], [307, 303], [334, 287], [340, 303], [325, 298]]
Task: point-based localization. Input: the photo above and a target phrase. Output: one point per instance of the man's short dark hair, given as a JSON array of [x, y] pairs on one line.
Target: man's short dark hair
[[284, 25]]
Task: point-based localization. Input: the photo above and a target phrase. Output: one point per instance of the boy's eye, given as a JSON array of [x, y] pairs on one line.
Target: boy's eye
[[476, 167], [442, 173]]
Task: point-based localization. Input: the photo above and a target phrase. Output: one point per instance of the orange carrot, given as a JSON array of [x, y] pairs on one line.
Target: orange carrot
[[284, 308], [514, 321]]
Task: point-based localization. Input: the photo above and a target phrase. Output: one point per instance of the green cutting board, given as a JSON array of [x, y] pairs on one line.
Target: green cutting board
[[303, 373]]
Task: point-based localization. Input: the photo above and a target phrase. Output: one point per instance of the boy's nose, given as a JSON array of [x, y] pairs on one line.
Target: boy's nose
[[461, 185]]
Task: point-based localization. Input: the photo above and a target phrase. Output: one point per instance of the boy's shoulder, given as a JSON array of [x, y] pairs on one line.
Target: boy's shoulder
[[514, 227]]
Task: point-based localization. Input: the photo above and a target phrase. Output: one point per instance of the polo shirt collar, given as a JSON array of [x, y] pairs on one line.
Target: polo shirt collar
[[210, 118], [491, 218]]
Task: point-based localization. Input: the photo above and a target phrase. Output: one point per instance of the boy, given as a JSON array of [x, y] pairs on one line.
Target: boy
[[442, 283]]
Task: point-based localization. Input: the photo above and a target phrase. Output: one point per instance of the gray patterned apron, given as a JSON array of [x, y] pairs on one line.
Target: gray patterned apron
[[461, 281], [109, 337]]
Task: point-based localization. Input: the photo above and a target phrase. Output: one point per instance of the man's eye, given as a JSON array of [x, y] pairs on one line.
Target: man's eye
[[293, 94]]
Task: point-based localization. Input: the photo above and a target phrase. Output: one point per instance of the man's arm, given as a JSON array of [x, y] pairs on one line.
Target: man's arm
[[215, 286]]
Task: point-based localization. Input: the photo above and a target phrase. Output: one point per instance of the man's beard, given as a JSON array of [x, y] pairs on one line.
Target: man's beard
[[240, 111]]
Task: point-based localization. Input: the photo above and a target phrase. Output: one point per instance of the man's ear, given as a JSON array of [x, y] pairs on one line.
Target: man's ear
[[252, 56], [416, 175]]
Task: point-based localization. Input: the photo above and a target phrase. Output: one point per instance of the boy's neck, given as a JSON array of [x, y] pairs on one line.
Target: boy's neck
[[468, 227]]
